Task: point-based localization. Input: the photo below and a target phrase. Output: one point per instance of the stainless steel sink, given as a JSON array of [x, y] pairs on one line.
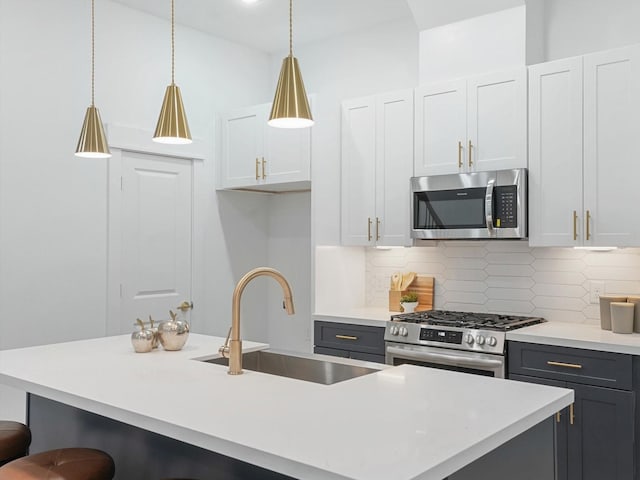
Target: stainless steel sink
[[300, 367]]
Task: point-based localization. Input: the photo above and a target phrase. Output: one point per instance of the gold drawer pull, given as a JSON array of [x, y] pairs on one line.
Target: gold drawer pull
[[568, 365], [346, 337], [557, 417]]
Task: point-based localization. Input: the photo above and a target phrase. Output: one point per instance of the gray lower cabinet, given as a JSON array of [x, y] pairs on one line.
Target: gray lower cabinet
[[595, 435], [360, 342]]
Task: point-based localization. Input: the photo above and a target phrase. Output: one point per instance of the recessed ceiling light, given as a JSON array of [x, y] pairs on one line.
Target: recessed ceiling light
[[250, 1]]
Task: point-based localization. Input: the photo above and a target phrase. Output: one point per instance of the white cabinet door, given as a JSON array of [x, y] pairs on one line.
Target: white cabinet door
[[242, 147], [555, 153], [497, 121], [260, 157], [611, 148], [287, 153], [394, 164], [440, 128], [358, 171]]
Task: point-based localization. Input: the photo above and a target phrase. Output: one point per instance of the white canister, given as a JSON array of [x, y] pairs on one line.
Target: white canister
[[622, 317], [605, 309], [635, 299]]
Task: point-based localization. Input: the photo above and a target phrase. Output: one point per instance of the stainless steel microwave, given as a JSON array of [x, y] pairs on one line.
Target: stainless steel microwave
[[477, 205]]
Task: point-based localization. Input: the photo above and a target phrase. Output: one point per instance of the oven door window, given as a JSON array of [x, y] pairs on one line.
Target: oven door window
[[449, 209], [453, 368]]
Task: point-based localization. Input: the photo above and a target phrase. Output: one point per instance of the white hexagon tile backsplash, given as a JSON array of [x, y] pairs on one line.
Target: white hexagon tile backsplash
[[509, 277]]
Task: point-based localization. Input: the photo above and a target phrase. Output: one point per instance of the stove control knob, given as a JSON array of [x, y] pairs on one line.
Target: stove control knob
[[480, 340], [394, 330], [469, 339], [403, 331], [492, 341]]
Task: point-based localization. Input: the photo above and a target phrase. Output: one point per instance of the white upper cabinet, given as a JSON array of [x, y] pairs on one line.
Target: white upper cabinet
[[555, 153], [584, 116], [611, 148], [474, 124], [440, 127], [259, 157], [377, 158]]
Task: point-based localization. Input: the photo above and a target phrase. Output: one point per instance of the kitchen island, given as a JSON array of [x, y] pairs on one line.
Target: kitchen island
[[401, 422]]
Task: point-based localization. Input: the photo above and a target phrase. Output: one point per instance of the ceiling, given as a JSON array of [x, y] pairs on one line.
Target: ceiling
[[263, 25]]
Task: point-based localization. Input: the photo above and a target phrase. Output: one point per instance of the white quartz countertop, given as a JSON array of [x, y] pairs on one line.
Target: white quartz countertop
[[403, 422], [372, 316], [577, 335]]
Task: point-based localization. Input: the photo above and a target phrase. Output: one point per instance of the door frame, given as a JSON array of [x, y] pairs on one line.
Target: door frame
[[127, 139]]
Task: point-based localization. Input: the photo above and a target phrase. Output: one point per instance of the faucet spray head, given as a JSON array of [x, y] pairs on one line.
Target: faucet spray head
[[287, 304]]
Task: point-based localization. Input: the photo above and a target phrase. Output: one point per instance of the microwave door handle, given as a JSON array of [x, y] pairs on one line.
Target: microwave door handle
[[488, 204]]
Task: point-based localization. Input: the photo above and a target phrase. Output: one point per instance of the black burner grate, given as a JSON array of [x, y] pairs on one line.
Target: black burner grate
[[486, 321]]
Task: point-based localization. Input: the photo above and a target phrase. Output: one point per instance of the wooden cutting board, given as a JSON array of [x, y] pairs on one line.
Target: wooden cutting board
[[423, 286]]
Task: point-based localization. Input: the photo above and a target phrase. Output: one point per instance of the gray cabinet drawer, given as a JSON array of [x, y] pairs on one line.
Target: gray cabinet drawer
[[590, 367], [345, 336]]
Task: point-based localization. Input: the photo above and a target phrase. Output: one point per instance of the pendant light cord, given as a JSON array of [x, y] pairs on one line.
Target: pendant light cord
[[173, 43], [290, 28], [93, 51]]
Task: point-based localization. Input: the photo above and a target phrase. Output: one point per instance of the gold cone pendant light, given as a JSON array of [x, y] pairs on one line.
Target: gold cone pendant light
[[172, 124], [290, 105], [92, 142]]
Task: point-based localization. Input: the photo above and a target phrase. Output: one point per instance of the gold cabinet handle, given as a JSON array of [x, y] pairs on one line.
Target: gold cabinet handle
[[470, 154], [459, 155], [264, 170], [567, 365], [572, 415], [377, 229], [346, 337], [588, 222], [575, 225], [557, 417], [369, 228], [257, 167]]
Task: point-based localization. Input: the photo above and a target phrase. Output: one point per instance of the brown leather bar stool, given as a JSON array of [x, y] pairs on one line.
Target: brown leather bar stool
[[14, 441], [61, 464]]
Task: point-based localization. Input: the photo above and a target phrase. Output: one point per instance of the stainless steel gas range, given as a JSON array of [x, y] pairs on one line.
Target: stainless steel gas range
[[460, 341]]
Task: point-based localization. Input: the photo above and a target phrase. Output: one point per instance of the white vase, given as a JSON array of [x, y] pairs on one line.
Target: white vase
[[409, 307]]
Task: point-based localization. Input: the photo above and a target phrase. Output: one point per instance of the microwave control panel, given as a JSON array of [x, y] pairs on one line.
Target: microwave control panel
[[506, 207]]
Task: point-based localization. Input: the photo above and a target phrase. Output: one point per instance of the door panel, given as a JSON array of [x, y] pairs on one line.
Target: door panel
[[560, 423], [601, 437], [242, 146], [555, 153], [497, 120], [440, 124], [612, 123], [394, 165], [287, 152], [358, 171], [156, 236]]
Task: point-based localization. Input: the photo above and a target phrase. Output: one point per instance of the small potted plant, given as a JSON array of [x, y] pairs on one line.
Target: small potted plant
[[409, 302]]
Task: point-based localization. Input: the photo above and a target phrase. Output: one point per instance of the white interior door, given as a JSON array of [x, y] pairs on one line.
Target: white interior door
[[156, 236]]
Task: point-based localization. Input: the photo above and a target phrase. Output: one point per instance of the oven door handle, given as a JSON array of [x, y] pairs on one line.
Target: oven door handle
[[488, 205], [455, 360]]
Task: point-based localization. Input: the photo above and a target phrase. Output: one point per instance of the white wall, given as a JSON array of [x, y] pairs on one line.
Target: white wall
[[53, 205], [496, 41], [576, 27]]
